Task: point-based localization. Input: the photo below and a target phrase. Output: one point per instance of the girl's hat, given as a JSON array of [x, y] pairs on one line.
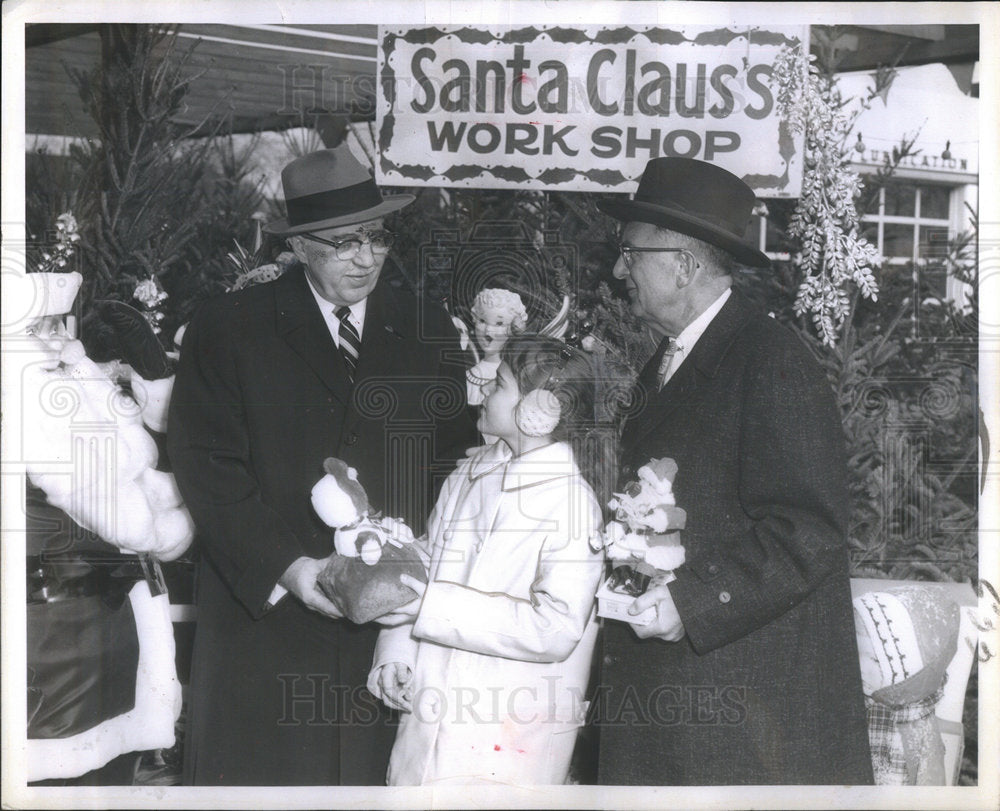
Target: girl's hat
[[330, 188], [695, 198]]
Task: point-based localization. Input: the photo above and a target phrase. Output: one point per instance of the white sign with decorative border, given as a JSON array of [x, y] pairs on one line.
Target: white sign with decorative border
[[580, 108]]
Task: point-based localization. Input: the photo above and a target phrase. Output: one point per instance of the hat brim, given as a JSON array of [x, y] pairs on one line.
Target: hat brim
[[638, 211], [282, 228]]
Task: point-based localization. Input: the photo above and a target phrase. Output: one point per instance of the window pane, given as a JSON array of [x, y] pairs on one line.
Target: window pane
[[898, 240], [934, 202], [933, 242], [900, 200]]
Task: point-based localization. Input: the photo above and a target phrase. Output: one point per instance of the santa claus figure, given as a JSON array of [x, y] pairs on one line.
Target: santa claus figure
[[100, 515]]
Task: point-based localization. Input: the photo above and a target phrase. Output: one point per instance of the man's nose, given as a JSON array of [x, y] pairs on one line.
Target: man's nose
[[619, 271], [365, 256]]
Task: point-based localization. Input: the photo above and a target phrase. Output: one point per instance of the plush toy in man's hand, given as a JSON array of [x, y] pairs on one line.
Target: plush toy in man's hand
[[643, 543], [362, 575]]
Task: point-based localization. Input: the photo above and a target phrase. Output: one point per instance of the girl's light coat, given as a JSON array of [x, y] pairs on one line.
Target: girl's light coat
[[502, 646]]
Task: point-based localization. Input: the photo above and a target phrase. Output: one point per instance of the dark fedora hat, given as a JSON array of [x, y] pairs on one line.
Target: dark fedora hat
[[694, 198], [330, 188]]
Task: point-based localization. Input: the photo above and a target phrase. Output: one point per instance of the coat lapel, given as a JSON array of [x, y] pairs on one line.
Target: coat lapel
[[385, 338], [683, 388], [303, 328]]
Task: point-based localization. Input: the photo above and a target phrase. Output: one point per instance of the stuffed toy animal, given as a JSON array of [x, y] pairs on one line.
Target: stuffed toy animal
[[648, 522], [370, 552], [643, 542], [906, 638]]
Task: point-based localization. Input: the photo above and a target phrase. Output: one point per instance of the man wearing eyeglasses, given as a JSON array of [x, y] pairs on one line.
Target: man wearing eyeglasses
[[749, 673], [327, 360]]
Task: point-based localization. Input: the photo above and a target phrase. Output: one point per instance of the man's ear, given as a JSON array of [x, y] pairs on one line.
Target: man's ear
[[297, 244], [687, 267]]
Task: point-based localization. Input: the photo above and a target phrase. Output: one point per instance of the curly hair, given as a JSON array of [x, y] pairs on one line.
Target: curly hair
[[507, 302], [540, 362]]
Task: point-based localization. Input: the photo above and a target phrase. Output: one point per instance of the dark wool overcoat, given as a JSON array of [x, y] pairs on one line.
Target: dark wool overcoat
[[261, 398], [765, 686]]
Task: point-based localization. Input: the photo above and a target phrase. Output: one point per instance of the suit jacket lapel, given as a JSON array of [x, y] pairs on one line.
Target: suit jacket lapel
[[684, 385], [303, 327], [385, 336]]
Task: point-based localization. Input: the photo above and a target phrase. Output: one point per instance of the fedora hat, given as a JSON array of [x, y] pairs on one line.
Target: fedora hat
[[330, 188], [694, 198]]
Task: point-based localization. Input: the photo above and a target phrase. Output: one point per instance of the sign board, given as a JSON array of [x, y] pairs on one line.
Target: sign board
[[580, 108]]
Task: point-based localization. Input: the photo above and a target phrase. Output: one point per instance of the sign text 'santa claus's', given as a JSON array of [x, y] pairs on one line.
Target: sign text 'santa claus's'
[[582, 108], [616, 84]]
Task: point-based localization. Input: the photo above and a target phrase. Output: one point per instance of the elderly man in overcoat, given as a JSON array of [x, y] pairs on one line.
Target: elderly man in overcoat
[[327, 360], [749, 672]]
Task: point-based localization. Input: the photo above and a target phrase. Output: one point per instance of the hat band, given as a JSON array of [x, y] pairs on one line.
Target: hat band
[[704, 216], [325, 205]]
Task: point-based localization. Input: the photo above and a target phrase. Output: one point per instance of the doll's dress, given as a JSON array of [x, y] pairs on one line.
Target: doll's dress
[[478, 376]]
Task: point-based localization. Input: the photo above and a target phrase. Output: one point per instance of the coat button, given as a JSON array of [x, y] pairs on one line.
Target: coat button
[[448, 534], [626, 470], [610, 660], [351, 438], [713, 569], [724, 597]]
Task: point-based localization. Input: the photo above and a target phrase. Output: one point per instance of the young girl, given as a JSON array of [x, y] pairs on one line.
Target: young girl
[[491, 675]]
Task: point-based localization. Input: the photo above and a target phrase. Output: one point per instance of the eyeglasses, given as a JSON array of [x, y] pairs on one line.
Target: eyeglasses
[[349, 247], [628, 253]]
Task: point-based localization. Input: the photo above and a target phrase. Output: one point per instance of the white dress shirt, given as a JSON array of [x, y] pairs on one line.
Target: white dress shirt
[[329, 311], [692, 332]]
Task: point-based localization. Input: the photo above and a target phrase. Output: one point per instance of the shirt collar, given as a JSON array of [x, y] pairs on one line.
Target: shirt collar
[[329, 310], [544, 464], [692, 332]]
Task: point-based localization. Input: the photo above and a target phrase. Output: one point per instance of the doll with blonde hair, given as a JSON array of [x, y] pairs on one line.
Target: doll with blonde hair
[[497, 315]]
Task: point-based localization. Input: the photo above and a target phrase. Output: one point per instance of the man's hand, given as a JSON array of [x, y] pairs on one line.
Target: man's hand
[[667, 625], [300, 580], [394, 683], [405, 613]]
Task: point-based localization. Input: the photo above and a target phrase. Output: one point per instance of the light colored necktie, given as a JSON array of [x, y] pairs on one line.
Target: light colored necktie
[[350, 341], [667, 362]]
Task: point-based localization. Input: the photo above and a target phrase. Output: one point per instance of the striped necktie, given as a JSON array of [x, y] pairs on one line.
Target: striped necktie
[[350, 341], [663, 372]]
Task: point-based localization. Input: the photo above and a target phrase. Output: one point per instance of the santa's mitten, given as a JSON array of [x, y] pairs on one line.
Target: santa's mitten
[[174, 533], [153, 397]]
